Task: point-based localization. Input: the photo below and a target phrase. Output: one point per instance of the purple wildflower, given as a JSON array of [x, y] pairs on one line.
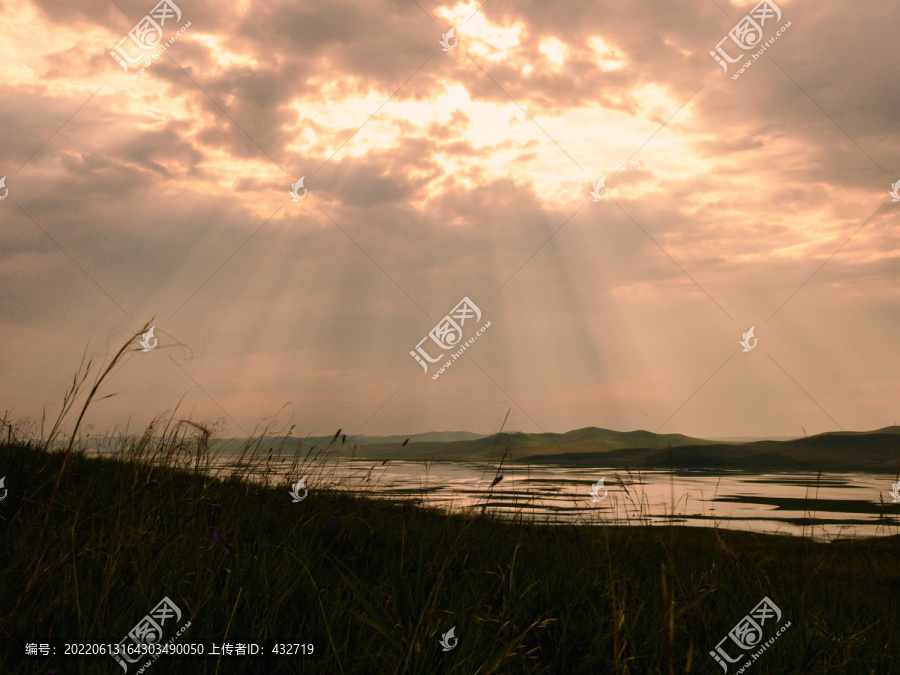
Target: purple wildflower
[[216, 537]]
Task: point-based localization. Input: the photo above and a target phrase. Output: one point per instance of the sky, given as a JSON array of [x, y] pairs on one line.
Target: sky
[[618, 207]]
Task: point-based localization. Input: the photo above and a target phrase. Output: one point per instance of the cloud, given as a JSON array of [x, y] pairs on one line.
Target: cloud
[[435, 175]]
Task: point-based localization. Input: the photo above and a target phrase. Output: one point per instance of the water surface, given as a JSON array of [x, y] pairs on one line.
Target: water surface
[[830, 506]]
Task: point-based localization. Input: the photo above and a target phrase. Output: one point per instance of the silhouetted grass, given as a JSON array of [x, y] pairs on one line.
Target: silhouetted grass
[[374, 585], [90, 544]]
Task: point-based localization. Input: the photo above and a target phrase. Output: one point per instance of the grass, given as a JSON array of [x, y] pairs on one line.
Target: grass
[[91, 544]]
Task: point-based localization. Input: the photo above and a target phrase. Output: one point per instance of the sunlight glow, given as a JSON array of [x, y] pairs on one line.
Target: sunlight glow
[[607, 56], [554, 50]]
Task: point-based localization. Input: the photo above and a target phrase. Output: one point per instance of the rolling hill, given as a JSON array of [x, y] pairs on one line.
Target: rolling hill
[[589, 440], [877, 451]]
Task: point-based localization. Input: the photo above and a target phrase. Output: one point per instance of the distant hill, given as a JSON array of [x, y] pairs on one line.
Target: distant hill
[[491, 448], [750, 439], [360, 442], [877, 451], [428, 437]]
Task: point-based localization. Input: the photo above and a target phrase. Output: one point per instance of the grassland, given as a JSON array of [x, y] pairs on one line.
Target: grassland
[[91, 544]]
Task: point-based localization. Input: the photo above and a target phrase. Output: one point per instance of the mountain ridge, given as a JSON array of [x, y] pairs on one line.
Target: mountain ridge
[[875, 450]]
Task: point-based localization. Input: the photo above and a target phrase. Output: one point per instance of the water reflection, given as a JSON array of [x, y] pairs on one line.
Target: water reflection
[[827, 507]]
